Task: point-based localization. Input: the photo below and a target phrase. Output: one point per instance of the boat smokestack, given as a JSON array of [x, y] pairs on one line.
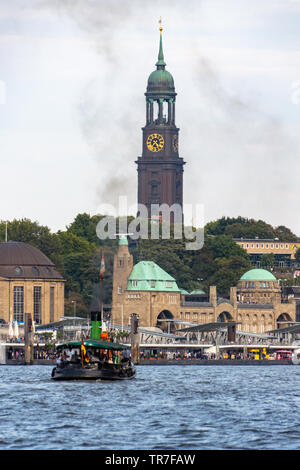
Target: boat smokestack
[[96, 325]]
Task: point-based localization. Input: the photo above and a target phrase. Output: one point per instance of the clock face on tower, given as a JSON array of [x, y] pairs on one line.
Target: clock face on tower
[[155, 142]]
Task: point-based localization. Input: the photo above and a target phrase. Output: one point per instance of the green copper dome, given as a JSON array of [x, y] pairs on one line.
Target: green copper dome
[[160, 81], [258, 275], [198, 291], [147, 275]]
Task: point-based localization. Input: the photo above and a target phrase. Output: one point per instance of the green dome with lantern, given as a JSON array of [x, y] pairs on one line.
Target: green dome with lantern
[[160, 82]]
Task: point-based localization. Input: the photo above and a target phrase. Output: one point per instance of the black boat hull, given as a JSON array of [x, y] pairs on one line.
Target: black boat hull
[[83, 373]]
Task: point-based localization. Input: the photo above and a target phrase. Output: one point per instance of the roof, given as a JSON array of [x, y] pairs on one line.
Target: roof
[[214, 326], [19, 253], [21, 260], [253, 306], [160, 82], [266, 240], [123, 240], [93, 343], [198, 292], [147, 275], [258, 275], [222, 300], [184, 292], [295, 328]]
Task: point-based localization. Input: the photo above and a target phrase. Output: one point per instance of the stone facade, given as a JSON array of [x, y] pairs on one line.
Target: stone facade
[[29, 283], [257, 309], [51, 299]]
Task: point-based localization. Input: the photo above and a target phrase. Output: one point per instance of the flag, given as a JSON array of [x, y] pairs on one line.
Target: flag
[[102, 267], [83, 350]]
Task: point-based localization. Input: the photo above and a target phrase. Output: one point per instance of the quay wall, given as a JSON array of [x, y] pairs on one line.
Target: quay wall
[[215, 362], [178, 362]]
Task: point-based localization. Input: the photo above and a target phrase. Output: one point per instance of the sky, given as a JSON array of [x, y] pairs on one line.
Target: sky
[[72, 105]]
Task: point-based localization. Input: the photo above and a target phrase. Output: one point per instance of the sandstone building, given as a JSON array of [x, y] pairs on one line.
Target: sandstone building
[[150, 292], [29, 283]]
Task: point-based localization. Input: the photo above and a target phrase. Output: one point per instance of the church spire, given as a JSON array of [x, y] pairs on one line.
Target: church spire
[[160, 64]]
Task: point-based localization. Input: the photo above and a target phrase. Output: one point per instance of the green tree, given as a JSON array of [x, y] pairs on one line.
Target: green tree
[[285, 234], [267, 260], [297, 254]]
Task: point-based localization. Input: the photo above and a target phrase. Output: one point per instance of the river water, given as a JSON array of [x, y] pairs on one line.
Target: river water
[[165, 407]]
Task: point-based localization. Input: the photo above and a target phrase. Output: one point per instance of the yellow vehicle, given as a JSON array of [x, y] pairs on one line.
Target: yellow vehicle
[[259, 353]]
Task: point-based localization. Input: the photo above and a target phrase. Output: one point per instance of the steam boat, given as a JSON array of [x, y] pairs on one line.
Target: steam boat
[[93, 359]]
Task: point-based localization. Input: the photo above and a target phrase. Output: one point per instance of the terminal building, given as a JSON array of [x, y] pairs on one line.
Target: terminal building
[[29, 283], [145, 289]]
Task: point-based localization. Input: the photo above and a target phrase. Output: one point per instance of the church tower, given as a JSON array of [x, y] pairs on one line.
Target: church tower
[[160, 169]]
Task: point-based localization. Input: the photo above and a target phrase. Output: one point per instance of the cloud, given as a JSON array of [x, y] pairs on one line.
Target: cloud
[[233, 70]]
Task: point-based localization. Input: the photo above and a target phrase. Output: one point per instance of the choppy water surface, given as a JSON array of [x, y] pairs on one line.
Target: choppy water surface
[[165, 407]]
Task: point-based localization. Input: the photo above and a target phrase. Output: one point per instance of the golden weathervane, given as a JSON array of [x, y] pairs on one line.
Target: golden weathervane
[[160, 26]]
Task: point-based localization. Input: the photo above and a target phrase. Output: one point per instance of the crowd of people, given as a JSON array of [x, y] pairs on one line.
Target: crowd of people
[[192, 355], [74, 356], [39, 354]]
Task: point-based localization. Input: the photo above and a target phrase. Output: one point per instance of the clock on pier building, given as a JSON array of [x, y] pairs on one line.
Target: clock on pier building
[[160, 169]]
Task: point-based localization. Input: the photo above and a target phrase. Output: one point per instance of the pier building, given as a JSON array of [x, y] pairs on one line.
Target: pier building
[[256, 303], [29, 283]]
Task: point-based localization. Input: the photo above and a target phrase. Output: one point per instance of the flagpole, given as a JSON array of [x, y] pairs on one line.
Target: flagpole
[[102, 271], [101, 299]]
